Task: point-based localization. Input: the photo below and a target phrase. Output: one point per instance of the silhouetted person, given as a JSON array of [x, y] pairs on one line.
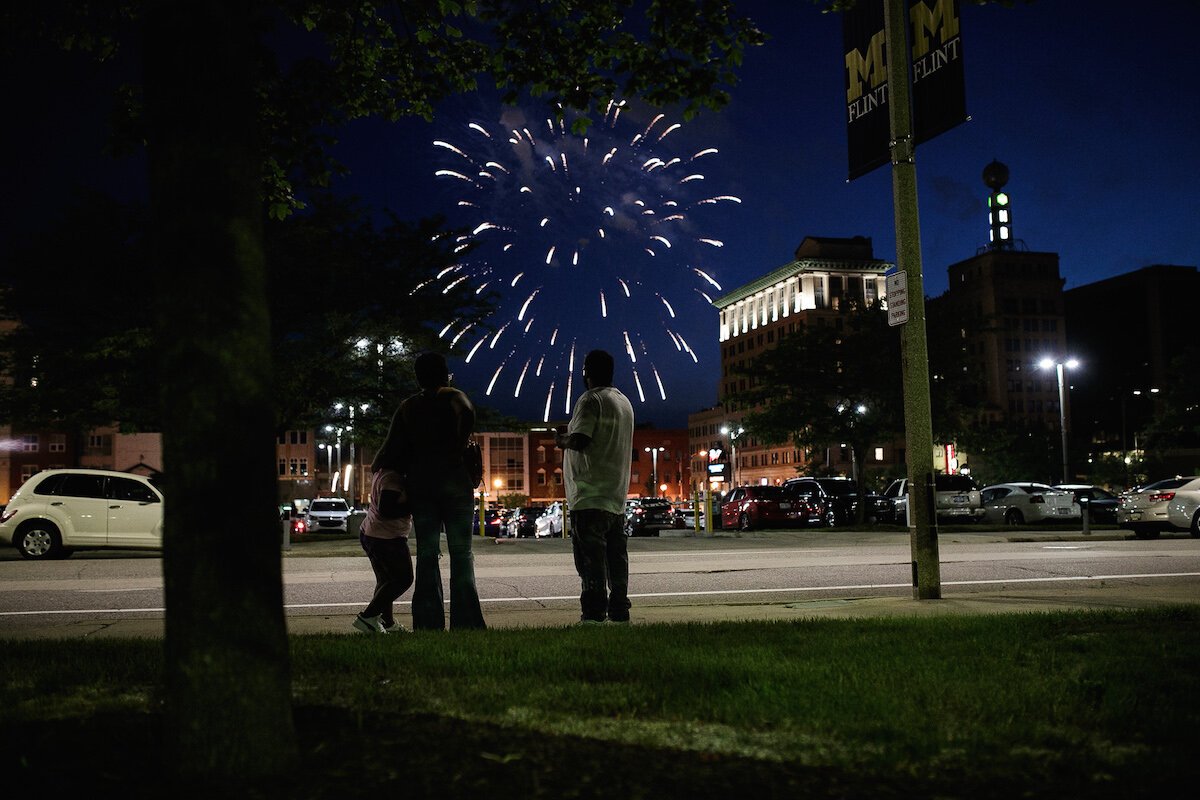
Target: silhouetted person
[[598, 449], [384, 538], [428, 435]]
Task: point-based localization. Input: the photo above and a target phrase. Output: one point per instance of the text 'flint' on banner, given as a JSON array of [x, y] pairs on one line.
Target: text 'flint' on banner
[[937, 75]]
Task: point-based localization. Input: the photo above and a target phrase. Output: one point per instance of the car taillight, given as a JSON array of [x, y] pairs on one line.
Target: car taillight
[[1162, 497], [1036, 498]]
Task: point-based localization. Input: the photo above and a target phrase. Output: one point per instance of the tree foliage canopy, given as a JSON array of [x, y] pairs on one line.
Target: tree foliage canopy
[[835, 380], [350, 302]]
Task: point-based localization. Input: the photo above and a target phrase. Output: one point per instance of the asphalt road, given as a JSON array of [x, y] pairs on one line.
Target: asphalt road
[[677, 577]]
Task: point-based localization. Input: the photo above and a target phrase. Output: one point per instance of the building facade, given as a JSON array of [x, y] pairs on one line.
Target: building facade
[[528, 463], [826, 277], [1126, 330]]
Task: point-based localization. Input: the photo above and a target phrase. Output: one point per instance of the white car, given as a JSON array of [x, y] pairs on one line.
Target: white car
[[685, 517], [550, 523], [956, 497], [328, 514], [1146, 512], [1183, 510], [1020, 502], [58, 511]]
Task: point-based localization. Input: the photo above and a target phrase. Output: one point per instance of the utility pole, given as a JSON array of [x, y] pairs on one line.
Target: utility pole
[[918, 425]]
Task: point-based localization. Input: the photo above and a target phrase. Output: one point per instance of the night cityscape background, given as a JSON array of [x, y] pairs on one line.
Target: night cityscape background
[[1087, 111]]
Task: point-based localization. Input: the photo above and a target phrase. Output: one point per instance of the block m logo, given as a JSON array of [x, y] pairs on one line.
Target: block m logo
[[869, 68], [940, 20]]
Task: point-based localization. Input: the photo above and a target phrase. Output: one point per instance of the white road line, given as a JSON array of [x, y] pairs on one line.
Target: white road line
[[706, 593]]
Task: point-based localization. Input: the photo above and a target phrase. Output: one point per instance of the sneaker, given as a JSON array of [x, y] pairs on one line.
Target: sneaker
[[369, 624], [618, 622], [393, 626], [590, 622]]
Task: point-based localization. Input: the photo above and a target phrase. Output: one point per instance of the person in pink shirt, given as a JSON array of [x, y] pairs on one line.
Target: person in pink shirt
[[384, 538]]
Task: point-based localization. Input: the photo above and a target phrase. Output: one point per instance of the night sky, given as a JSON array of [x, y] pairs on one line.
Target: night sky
[[1094, 115]]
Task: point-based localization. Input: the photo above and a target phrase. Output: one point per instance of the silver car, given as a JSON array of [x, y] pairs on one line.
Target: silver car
[[1020, 502], [328, 514], [1145, 512], [1184, 509]]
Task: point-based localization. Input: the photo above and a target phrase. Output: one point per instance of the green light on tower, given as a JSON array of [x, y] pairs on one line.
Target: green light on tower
[[1001, 199]]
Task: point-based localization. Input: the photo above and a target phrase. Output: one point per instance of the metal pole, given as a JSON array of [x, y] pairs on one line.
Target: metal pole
[[918, 425], [1062, 417]]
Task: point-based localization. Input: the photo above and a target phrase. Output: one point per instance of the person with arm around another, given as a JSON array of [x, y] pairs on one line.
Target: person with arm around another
[[429, 435]]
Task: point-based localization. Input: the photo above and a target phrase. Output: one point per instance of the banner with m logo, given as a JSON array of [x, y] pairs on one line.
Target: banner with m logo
[[936, 72]]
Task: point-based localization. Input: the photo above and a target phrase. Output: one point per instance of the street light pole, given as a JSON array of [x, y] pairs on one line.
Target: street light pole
[[654, 451], [1060, 368], [733, 434]]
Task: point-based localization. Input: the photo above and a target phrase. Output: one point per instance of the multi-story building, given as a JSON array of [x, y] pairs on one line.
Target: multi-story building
[[826, 277], [1010, 300], [27, 452], [1125, 331], [528, 463]]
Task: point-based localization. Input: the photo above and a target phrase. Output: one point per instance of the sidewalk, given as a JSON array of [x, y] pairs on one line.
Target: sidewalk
[[955, 601]]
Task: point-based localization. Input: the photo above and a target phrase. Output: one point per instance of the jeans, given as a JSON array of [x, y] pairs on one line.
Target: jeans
[[393, 568], [602, 561], [444, 502]]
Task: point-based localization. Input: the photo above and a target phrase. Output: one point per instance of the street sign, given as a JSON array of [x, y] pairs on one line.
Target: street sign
[[897, 298]]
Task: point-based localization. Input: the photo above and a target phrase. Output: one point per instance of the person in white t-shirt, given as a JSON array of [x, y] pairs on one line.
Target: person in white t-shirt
[[598, 445], [384, 538]]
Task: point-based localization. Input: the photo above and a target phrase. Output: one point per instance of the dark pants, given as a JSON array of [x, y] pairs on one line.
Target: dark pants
[[444, 503], [602, 561], [393, 568]]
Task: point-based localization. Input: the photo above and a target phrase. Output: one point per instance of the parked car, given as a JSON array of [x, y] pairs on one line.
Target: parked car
[[550, 523], [1145, 511], [328, 515], [820, 506], [750, 507], [956, 498], [523, 522], [685, 517], [647, 516], [495, 522], [1101, 503], [835, 500], [1022, 501], [295, 520], [58, 511], [1183, 510]]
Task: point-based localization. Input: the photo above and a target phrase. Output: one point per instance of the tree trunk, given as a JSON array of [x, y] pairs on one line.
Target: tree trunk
[[229, 715]]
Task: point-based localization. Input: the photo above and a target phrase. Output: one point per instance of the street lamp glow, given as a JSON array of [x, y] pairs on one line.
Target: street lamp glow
[[1059, 368]]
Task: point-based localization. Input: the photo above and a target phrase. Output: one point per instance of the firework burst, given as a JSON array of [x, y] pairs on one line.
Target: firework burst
[[587, 242]]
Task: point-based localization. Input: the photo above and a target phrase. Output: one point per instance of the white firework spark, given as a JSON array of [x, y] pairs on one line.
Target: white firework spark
[[609, 216]]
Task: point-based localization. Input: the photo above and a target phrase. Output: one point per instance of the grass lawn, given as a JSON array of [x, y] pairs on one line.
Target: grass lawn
[[1071, 704]]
